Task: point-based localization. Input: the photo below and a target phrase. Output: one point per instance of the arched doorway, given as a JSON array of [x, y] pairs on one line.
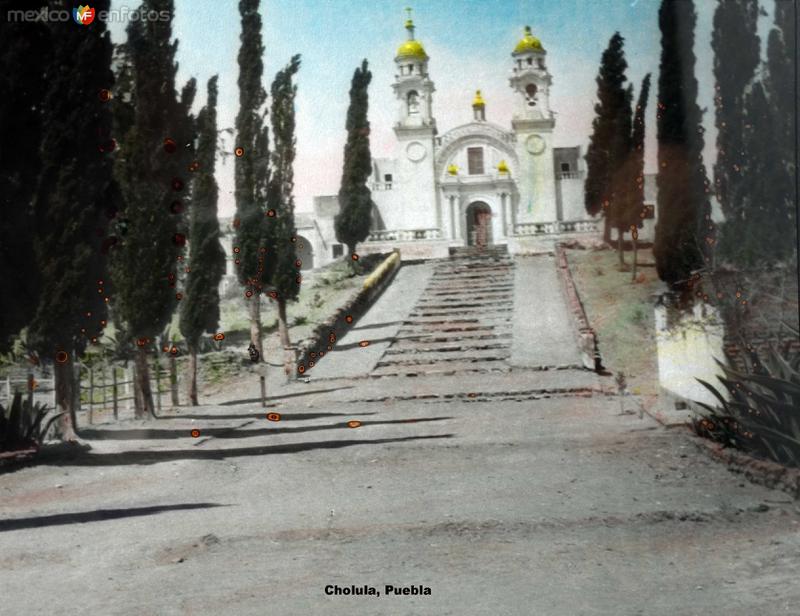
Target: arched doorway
[[305, 253], [479, 224]]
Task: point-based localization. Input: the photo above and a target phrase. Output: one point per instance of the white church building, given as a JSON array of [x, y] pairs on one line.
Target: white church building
[[479, 184]]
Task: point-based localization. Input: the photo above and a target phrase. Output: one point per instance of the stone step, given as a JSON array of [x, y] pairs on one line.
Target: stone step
[[451, 346], [442, 368], [456, 336], [412, 358]]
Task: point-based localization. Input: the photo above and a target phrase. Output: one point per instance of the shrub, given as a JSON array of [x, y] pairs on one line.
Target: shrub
[[21, 424], [761, 411]]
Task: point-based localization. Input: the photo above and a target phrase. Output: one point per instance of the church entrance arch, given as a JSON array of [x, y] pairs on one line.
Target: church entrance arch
[[479, 224], [305, 253]]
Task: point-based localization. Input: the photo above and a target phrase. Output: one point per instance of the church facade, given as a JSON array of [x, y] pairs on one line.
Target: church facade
[[479, 184]]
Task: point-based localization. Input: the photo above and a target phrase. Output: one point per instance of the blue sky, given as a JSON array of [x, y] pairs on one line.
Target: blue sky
[[469, 43]]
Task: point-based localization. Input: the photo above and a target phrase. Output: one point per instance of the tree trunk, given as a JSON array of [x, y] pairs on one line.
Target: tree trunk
[[283, 330], [283, 326], [635, 257], [142, 385], [620, 248], [606, 230], [65, 400], [256, 338], [193, 376], [173, 380]]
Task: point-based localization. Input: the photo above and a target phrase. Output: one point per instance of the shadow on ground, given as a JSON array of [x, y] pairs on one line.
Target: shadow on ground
[[97, 515]]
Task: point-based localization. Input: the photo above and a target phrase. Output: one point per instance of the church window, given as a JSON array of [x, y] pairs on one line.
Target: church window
[[530, 61], [530, 92], [410, 69], [565, 167], [338, 250], [387, 179], [475, 161], [541, 63], [413, 102]]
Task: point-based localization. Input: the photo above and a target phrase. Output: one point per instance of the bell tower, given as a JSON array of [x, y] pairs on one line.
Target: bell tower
[[415, 130], [533, 123]]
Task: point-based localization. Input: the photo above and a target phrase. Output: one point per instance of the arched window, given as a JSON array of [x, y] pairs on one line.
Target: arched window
[[413, 102], [530, 93]]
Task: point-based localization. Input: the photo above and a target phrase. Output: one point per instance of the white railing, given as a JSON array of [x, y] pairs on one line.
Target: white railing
[[381, 186], [570, 175], [404, 235], [555, 227]]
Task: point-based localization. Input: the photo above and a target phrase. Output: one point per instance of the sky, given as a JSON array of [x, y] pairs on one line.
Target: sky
[[469, 43]]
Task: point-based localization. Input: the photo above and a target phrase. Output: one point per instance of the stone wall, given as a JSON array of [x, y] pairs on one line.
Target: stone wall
[[586, 337]]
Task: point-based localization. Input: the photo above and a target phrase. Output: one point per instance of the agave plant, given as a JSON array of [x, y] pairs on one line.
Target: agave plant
[[761, 411], [22, 424]]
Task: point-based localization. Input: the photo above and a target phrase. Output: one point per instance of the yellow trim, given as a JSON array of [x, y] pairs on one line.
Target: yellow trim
[[384, 268], [528, 42]]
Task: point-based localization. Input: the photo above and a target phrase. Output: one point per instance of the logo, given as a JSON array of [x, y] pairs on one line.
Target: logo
[[83, 15]]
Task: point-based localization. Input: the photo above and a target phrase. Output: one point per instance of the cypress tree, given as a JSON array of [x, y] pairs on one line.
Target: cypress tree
[[634, 205], [200, 306], [286, 267], [251, 169], [154, 175], [352, 223], [75, 182], [736, 56], [609, 144], [24, 65], [684, 212], [623, 177], [780, 195]]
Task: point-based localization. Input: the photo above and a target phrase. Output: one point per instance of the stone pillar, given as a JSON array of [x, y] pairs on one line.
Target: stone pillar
[[503, 219], [453, 229]]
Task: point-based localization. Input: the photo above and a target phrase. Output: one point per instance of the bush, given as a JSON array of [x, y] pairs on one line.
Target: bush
[[21, 424], [761, 412]]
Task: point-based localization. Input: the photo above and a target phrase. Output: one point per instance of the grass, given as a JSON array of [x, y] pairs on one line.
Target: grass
[[621, 312]]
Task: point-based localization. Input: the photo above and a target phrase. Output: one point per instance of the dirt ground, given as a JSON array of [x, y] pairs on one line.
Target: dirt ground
[[502, 501]]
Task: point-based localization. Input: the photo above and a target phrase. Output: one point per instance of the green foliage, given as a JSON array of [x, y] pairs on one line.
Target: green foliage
[[736, 56], [684, 212], [24, 71], [281, 227], [609, 143], [200, 307], [759, 411], [153, 173], [251, 168], [22, 424], [630, 211], [352, 223], [69, 209]]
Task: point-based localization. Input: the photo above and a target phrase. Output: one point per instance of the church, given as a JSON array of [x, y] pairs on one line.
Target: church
[[479, 184]]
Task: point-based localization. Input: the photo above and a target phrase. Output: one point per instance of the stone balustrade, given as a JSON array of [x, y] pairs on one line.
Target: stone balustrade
[[556, 227], [404, 235]]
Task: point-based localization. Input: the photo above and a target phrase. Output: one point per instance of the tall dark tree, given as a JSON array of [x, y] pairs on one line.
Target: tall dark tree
[[609, 144], [251, 169], [352, 223], [286, 267], [623, 177], [736, 56], [75, 182], [200, 306], [24, 65], [781, 199], [684, 229], [633, 214], [154, 174]]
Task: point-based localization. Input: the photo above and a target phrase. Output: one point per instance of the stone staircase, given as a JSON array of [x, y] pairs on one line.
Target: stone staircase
[[462, 321]]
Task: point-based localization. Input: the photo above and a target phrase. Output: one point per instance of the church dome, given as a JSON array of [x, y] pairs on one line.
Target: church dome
[[412, 49], [528, 42]]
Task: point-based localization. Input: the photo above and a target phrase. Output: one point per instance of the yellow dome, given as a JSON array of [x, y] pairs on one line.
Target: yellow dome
[[478, 100], [412, 49], [528, 42]]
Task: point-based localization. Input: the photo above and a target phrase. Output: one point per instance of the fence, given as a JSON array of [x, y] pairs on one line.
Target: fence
[[104, 388]]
